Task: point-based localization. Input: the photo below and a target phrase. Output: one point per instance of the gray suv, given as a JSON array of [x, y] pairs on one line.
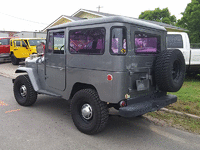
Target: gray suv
[[101, 63]]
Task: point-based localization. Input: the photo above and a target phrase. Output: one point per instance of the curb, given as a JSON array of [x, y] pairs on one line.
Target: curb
[[180, 113]]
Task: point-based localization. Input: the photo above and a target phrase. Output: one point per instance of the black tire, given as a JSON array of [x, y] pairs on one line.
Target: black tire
[[97, 120], [170, 70], [14, 60], [24, 93]]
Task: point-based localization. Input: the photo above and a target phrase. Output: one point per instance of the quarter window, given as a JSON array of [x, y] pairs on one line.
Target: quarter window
[[147, 43], [87, 41], [118, 41]]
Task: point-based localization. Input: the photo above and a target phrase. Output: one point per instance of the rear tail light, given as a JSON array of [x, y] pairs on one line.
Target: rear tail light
[[122, 103]]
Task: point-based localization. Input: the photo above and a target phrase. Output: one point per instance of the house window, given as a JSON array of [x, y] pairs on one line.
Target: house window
[[87, 41]]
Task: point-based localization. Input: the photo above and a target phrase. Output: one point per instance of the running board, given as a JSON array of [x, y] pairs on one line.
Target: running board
[[48, 93]]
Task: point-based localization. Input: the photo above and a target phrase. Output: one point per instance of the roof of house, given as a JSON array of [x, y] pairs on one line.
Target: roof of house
[[109, 20], [107, 14], [71, 18], [102, 14], [93, 12]]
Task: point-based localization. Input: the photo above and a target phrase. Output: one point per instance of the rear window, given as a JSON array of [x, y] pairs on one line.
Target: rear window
[[5, 41], [147, 43], [174, 41], [87, 41]]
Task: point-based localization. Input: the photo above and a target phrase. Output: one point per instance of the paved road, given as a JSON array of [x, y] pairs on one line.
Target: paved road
[[47, 125]]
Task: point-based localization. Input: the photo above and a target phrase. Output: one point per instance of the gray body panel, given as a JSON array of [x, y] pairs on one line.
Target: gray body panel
[[57, 74]]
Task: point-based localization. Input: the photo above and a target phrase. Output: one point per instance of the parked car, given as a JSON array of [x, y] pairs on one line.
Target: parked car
[[180, 40], [4, 49], [101, 63], [21, 48]]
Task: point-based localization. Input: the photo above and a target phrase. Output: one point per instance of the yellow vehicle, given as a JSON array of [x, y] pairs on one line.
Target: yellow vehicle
[[21, 48]]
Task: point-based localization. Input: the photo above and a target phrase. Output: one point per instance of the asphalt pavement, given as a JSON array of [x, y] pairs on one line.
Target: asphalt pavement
[[47, 125]]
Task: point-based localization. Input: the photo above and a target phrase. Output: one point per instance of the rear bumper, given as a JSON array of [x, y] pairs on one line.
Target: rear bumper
[[141, 108]]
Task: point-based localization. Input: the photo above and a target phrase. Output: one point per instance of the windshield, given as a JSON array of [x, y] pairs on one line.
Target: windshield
[[36, 42], [174, 41]]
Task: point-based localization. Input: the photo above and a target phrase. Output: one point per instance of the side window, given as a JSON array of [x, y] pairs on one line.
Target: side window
[[4, 41], [59, 42], [50, 42], [87, 41], [18, 43], [56, 42], [118, 41], [147, 43], [23, 44]]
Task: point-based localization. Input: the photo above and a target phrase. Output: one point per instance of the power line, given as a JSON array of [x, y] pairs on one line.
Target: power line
[[24, 19]]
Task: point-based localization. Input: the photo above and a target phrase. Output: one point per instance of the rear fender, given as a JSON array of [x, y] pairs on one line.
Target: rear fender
[[32, 73]]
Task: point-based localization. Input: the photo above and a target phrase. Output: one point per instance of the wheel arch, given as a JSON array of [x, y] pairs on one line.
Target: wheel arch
[[32, 76], [79, 86]]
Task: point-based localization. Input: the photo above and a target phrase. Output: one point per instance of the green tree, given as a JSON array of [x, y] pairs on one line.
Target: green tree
[[191, 20], [159, 15]]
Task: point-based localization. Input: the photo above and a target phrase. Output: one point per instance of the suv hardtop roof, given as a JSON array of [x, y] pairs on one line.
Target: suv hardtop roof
[[109, 20]]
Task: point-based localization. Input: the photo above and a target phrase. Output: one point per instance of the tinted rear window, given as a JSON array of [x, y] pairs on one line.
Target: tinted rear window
[[174, 41], [147, 43]]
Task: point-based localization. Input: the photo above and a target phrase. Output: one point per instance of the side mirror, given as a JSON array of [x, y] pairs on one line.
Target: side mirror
[[0, 43]]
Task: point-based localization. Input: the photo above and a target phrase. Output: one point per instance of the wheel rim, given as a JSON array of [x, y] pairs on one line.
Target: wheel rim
[[86, 111], [23, 91], [176, 70]]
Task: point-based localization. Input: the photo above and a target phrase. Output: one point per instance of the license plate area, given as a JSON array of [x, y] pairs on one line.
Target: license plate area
[[142, 85]]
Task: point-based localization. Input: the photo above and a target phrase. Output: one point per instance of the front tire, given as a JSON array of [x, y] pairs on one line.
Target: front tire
[[89, 113], [14, 60], [24, 93]]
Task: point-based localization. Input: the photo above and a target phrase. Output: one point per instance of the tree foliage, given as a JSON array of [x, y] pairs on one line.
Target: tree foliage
[[159, 15], [191, 20]]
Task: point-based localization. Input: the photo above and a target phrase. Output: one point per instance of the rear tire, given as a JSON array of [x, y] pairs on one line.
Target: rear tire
[[24, 93], [14, 60], [89, 113]]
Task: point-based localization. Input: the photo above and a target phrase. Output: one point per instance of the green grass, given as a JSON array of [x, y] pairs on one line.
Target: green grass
[[188, 102], [181, 122], [188, 96], [190, 91]]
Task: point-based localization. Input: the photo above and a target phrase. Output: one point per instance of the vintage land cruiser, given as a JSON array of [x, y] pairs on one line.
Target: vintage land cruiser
[[101, 63]]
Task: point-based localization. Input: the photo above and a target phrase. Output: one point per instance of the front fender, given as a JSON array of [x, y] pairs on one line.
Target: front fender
[[33, 76]]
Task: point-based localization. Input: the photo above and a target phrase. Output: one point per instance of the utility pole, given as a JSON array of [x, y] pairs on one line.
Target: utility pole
[[99, 7]]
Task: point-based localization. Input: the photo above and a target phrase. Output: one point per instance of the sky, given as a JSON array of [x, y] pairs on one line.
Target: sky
[[26, 15]]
